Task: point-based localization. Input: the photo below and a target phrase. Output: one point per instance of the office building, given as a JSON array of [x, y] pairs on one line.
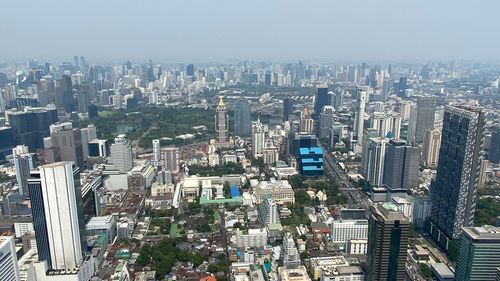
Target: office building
[[242, 114], [255, 237], [290, 254], [57, 223], [373, 160], [388, 232], [31, 126], [306, 122], [412, 123], [221, 122], [258, 138], [170, 159], [88, 134], [9, 270], [297, 141], [24, 162], [430, 147], [98, 148], [190, 70], [269, 210], [352, 224], [64, 93], [156, 152], [6, 141], [401, 165], [387, 124], [426, 109], [121, 154], [311, 161], [494, 151], [69, 144], [478, 254], [359, 117], [326, 121], [320, 100], [280, 190], [453, 192], [338, 99], [287, 108]]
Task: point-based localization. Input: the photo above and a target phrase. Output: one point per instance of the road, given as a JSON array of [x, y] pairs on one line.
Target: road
[[224, 240]]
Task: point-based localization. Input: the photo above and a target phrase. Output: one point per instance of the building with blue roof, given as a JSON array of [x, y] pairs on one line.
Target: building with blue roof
[[235, 192], [311, 161]]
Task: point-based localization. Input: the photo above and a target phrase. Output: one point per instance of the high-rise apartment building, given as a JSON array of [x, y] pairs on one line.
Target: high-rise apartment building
[[57, 215], [9, 270], [287, 108], [221, 125], [426, 109], [478, 254], [453, 192], [321, 99], [326, 121], [269, 210], [290, 254], [121, 154], [412, 123], [258, 139], [388, 232], [373, 160], [387, 124], [242, 112], [306, 122], [401, 165], [430, 147], [24, 162]]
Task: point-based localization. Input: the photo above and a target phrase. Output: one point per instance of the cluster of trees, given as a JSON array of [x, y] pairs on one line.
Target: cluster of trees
[[161, 224], [297, 217], [165, 254], [486, 211], [148, 123], [219, 170]]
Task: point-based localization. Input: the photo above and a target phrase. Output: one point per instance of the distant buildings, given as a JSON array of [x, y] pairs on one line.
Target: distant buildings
[[478, 254], [388, 233], [359, 117], [453, 192], [287, 108], [121, 154], [31, 126], [426, 109], [242, 113]]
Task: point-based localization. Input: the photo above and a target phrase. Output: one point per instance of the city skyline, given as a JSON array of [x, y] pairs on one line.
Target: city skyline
[[201, 31]]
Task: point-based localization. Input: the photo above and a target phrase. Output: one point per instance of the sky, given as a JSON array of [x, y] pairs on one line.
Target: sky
[[275, 30]]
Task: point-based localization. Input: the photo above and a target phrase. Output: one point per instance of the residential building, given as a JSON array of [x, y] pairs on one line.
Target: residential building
[[293, 274], [359, 117], [306, 125], [170, 159], [290, 254], [352, 224], [121, 154], [401, 165], [156, 153], [269, 210], [426, 109], [326, 121], [373, 160], [256, 238], [258, 138], [430, 147], [242, 112], [24, 162]]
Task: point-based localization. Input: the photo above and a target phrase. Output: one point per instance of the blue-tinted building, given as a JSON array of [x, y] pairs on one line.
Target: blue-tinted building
[[311, 161]]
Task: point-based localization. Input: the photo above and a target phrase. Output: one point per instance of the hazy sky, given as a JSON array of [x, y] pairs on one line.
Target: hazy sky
[[220, 30]]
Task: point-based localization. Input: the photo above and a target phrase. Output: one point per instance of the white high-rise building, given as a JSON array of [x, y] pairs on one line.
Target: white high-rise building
[[170, 159], [156, 152], [258, 138], [352, 224], [9, 270], [269, 210], [359, 117], [373, 160], [385, 123], [290, 254], [121, 154], [57, 196], [430, 147], [412, 124]]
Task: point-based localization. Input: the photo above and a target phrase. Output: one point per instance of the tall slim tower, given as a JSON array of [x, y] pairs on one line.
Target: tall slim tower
[[24, 163], [412, 124], [359, 117], [287, 108], [258, 138], [221, 125], [57, 215], [321, 99], [121, 154], [425, 116], [430, 147], [156, 152], [453, 192], [242, 114], [326, 121], [388, 232]]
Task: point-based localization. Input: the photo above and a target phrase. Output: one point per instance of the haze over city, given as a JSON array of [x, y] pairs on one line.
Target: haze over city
[[217, 31]]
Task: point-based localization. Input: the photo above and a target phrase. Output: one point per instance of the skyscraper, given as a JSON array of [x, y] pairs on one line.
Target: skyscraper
[[242, 114], [269, 210], [258, 138], [9, 270], [430, 147], [494, 151], [221, 125], [321, 99], [64, 93], [478, 254], [69, 143], [306, 122], [290, 254], [412, 124], [57, 216], [401, 165], [388, 232], [31, 126], [385, 123], [121, 154], [373, 159], [326, 121], [426, 107], [287, 108], [453, 192], [156, 152], [24, 162], [359, 118], [190, 70]]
